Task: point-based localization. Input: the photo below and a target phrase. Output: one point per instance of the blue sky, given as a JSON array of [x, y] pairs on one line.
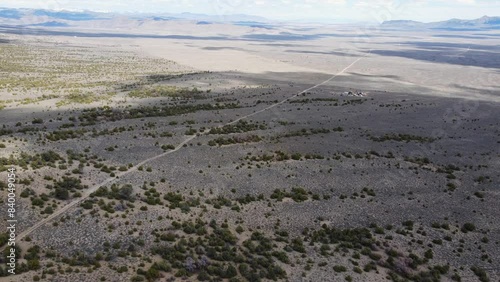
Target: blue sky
[[340, 10]]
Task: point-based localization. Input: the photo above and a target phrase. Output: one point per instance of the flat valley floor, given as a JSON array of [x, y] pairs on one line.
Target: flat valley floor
[[302, 154]]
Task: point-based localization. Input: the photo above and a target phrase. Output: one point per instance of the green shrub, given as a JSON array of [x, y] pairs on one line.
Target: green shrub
[[480, 273], [468, 227], [339, 268]]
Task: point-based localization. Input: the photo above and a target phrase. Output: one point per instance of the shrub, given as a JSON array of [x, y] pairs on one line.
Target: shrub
[[137, 278], [451, 186], [48, 210], [468, 227], [168, 147], [297, 245], [239, 229], [339, 268], [480, 273], [61, 193]]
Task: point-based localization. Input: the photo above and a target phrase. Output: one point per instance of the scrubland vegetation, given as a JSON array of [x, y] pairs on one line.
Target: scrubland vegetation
[[148, 171]]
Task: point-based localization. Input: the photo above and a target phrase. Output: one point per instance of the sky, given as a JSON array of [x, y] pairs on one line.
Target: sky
[[321, 10]]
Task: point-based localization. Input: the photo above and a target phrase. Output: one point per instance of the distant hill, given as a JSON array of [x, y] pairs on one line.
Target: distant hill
[[253, 24], [41, 17], [10, 13], [51, 24], [453, 24], [66, 15]]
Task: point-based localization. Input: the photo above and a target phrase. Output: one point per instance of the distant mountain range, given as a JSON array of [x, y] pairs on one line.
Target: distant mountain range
[[18, 14], [50, 18], [64, 18], [453, 24]]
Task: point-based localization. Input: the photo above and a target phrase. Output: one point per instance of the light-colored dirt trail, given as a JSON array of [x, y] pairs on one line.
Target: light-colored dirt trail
[[187, 140]]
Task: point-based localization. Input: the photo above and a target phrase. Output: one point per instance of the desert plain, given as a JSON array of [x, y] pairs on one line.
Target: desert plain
[[217, 152]]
